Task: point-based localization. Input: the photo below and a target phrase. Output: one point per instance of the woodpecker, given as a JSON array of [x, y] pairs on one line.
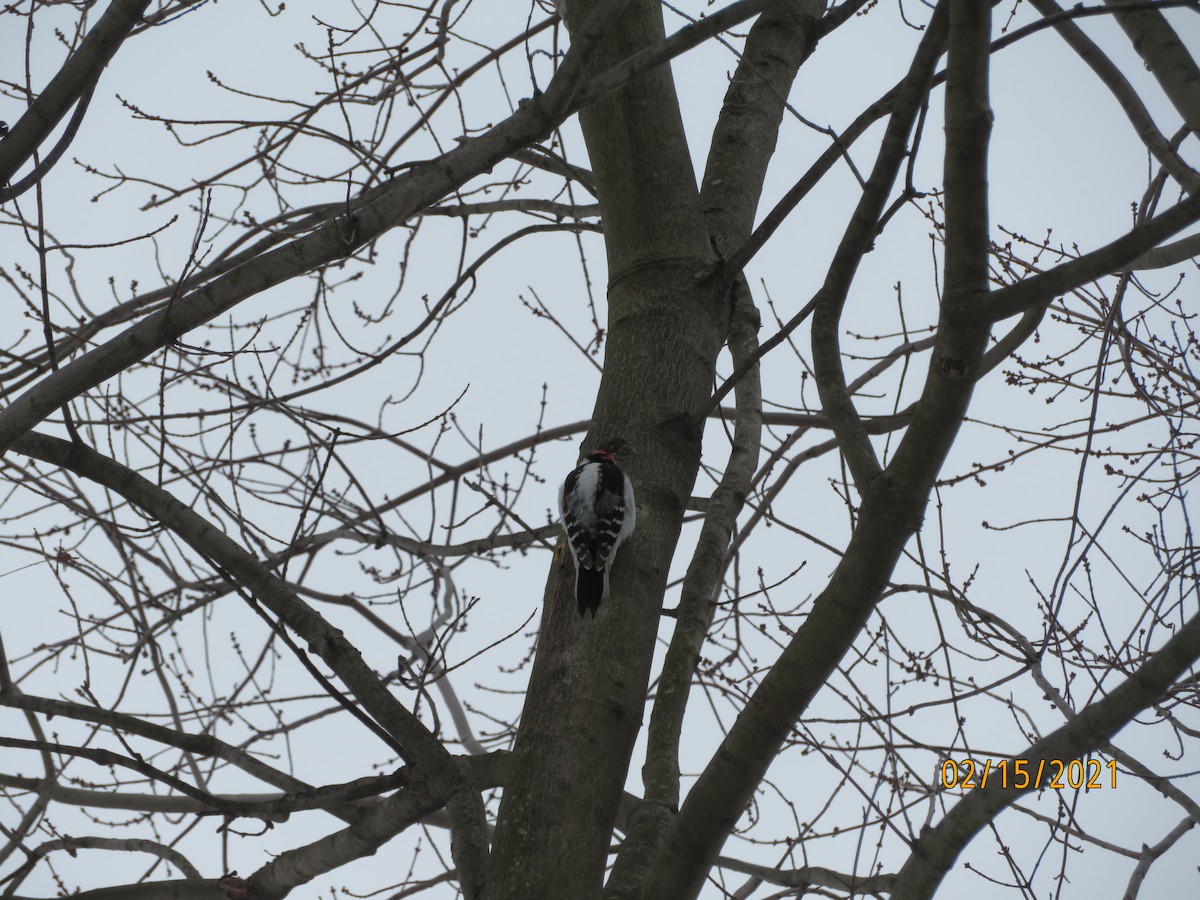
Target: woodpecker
[[596, 505]]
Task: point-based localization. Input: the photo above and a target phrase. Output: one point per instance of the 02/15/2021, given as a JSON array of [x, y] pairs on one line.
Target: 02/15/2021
[[1021, 774]]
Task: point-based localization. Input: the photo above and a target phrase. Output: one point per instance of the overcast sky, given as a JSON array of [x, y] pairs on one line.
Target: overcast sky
[[1063, 159]]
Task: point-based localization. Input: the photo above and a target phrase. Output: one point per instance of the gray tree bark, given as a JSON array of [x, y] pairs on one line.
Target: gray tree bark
[[667, 320]]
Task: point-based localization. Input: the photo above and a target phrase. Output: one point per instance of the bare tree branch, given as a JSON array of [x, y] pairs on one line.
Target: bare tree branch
[[1090, 730], [470, 846], [74, 81]]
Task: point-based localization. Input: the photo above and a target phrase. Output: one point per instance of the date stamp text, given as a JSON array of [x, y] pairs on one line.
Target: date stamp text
[[1020, 774]]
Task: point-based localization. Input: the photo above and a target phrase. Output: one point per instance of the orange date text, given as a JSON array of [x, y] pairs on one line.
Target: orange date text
[[1023, 774]]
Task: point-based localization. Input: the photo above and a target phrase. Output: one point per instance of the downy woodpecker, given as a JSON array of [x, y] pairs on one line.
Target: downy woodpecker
[[596, 505]]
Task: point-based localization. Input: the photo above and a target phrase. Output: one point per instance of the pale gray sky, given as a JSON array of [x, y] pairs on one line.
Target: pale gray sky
[[1063, 159]]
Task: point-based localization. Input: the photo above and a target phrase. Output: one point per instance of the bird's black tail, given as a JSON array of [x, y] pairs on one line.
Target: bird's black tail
[[589, 590]]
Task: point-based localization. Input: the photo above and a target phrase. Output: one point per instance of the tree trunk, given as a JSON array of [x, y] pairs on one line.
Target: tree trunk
[[666, 322]]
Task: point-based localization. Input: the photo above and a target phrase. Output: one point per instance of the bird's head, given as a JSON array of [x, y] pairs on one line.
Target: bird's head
[[611, 450]]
